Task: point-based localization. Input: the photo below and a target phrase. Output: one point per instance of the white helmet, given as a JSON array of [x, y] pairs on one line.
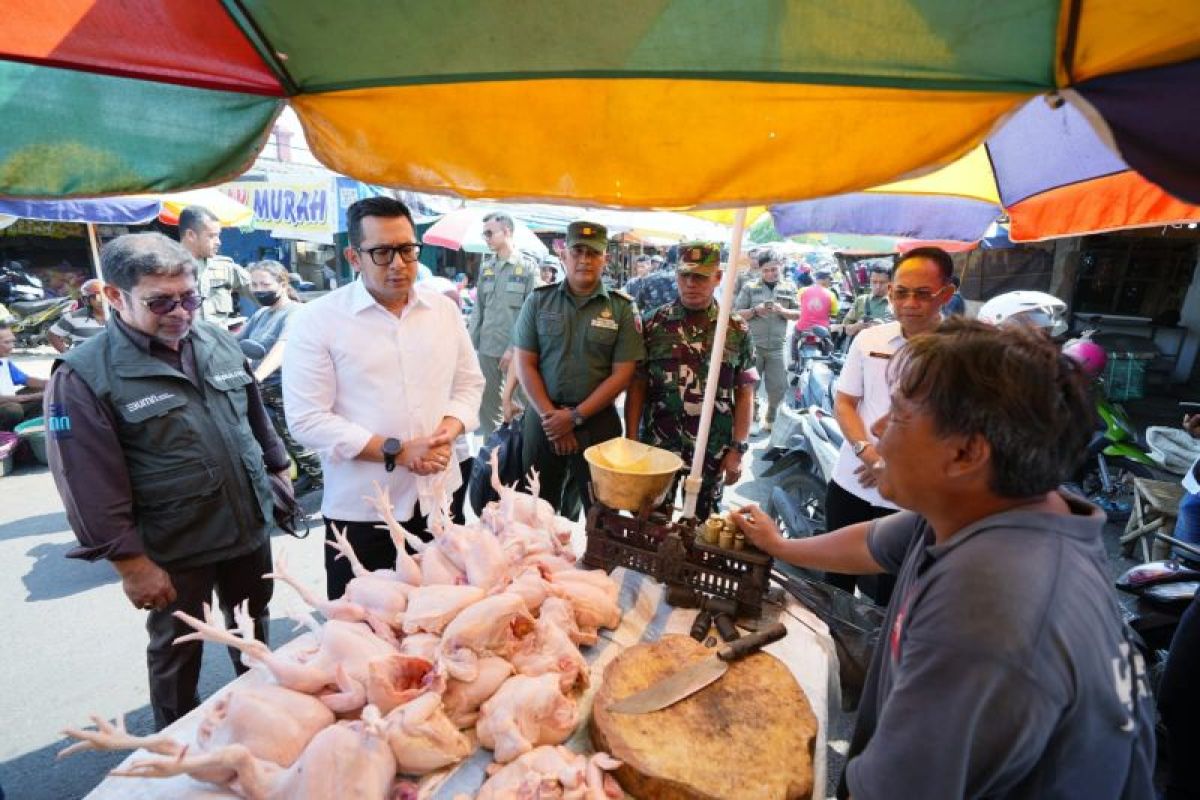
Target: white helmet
[[1038, 309]]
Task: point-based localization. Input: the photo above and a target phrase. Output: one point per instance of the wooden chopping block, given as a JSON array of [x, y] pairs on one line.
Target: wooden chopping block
[[751, 735]]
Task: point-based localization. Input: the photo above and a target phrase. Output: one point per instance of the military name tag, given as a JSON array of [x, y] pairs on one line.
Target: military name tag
[[877, 354], [604, 322], [515, 286]]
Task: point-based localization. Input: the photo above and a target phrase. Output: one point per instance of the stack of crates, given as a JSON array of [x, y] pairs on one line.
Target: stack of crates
[[1125, 375]]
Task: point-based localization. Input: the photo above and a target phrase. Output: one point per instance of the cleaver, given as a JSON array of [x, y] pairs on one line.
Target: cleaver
[[695, 676]]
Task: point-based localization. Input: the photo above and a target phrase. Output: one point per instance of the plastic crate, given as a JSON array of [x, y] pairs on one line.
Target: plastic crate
[[738, 575], [1125, 376], [616, 540]]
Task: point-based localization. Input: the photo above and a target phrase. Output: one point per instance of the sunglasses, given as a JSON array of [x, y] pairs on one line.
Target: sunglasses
[[165, 304], [384, 255]]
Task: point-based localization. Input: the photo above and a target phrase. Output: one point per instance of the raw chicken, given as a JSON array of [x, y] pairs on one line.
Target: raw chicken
[[380, 592], [532, 586], [422, 738], [438, 568], [343, 651], [431, 608], [552, 649], [462, 699], [275, 724], [524, 713], [421, 645], [593, 595], [395, 679], [489, 627], [475, 551], [552, 772], [345, 608], [407, 570], [346, 759]]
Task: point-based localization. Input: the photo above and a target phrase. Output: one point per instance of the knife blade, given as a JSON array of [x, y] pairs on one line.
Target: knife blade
[[687, 681]]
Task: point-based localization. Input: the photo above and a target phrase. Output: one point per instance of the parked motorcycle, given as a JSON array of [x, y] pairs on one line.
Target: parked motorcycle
[[18, 284], [807, 442], [1117, 453], [32, 319]]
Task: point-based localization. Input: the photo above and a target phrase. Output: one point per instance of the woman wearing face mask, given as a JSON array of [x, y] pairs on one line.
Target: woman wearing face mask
[[268, 327]]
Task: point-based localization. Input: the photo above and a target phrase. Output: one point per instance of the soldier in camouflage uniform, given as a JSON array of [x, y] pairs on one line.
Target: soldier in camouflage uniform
[[656, 289], [506, 277], [767, 302], [664, 401]]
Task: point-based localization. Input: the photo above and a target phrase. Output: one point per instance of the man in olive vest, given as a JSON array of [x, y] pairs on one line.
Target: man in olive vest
[[160, 447]]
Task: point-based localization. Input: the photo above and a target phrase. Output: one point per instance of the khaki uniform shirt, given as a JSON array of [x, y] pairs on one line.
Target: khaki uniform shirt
[[770, 332], [502, 290], [578, 339], [217, 279]]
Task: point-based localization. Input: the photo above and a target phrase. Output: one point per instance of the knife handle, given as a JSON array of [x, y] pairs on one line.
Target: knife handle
[[748, 644], [701, 625], [726, 627]]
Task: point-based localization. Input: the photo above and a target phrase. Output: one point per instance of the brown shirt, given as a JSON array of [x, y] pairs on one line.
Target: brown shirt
[[89, 468]]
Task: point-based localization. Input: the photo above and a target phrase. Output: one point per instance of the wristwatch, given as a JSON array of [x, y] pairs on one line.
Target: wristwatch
[[391, 448], [576, 417], [741, 447], [861, 445]]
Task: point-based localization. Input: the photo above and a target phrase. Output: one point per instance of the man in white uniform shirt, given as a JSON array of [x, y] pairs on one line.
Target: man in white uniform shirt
[[920, 287], [380, 378]]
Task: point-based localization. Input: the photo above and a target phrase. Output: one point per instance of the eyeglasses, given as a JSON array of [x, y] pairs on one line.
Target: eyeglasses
[[165, 304], [385, 254], [903, 295]]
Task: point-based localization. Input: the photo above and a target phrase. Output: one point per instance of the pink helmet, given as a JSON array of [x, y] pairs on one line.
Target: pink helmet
[[1090, 356]]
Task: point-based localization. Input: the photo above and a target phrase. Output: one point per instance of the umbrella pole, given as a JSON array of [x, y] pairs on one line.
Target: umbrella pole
[[94, 245], [691, 485]]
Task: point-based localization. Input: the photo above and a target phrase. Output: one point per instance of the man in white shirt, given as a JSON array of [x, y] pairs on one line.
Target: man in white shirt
[[920, 287], [380, 378], [20, 394]]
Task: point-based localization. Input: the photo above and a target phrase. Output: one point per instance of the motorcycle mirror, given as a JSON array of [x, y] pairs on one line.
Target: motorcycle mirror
[[252, 349]]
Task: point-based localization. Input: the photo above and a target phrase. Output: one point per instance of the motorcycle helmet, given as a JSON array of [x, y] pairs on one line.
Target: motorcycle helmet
[[1091, 357], [1038, 309]]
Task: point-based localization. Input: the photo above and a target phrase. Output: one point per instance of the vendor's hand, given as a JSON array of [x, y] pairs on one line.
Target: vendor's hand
[[565, 445], [760, 529], [731, 466], [558, 423], [146, 584], [1191, 424]]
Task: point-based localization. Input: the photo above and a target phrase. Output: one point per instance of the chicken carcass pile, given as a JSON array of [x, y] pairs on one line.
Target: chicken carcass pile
[[474, 639]]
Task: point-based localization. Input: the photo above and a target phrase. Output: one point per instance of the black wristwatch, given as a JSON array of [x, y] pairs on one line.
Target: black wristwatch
[[391, 448], [742, 447]]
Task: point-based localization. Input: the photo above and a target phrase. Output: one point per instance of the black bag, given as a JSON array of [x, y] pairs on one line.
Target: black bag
[[506, 441], [288, 514]]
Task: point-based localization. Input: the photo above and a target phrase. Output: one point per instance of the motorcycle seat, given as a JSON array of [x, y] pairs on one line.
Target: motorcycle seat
[[24, 308]]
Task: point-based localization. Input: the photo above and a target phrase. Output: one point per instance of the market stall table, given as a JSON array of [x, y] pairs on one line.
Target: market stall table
[[807, 651]]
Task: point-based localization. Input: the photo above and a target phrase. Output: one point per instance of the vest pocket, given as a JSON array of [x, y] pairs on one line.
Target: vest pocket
[[181, 512]]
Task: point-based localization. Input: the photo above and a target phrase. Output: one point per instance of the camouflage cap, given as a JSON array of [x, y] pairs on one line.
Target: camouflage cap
[[699, 258], [589, 234]]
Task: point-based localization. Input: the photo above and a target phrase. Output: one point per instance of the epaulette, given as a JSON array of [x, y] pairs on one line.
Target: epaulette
[[754, 284], [546, 286], [622, 294], [530, 257]]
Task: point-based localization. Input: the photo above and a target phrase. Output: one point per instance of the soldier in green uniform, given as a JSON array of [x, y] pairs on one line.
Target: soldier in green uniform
[[872, 308], [767, 302], [506, 278], [577, 346], [666, 396]]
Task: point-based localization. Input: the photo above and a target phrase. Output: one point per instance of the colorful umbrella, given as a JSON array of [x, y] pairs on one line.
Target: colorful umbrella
[[463, 230], [657, 104], [1045, 168], [134, 210]]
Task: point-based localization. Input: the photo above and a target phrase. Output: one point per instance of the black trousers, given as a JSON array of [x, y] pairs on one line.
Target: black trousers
[[306, 460], [564, 481], [458, 499], [175, 669], [372, 544], [1179, 707], [843, 508]]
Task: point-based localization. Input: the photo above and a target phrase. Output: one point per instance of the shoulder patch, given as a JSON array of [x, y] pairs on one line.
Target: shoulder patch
[[622, 294]]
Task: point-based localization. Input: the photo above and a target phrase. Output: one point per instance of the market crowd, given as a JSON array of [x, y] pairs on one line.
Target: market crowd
[[1003, 669]]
